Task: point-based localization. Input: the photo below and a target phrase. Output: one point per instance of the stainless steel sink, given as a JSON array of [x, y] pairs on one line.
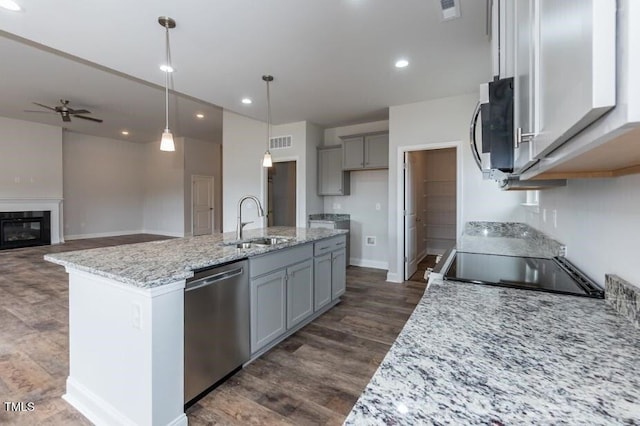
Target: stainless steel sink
[[260, 242]]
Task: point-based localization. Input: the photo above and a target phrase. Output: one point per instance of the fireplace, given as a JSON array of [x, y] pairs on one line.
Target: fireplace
[[25, 229]]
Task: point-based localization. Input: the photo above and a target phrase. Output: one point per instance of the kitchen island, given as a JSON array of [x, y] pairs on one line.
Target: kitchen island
[[126, 318], [477, 354]]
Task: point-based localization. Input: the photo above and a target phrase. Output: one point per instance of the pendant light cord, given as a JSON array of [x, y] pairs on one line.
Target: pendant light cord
[[268, 116], [166, 79]]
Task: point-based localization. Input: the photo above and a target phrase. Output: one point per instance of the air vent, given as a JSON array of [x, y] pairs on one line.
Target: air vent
[[450, 9], [280, 142]]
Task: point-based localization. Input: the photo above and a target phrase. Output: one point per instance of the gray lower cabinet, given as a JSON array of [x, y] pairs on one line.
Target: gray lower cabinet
[[268, 308], [299, 280], [338, 273], [322, 280]]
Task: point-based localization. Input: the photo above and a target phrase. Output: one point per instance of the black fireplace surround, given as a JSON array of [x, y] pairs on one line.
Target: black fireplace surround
[[25, 229]]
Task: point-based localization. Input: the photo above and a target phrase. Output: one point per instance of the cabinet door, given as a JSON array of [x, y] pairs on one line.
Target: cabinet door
[[268, 320], [577, 68], [338, 273], [524, 82], [299, 292], [376, 151], [353, 153], [331, 177], [322, 280]]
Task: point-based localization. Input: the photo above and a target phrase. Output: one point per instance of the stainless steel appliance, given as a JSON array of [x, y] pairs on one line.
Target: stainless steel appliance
[[216, 326], [555, 275]]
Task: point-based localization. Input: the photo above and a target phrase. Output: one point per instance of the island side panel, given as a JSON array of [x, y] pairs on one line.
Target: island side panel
[[126, 351]]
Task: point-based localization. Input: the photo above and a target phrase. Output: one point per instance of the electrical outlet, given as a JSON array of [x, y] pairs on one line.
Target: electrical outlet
[[337, 206], [544, 215], [562, 251], [370, 241], [378, 207]]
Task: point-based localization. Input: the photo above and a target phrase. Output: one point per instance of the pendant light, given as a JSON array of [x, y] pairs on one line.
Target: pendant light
[[266, 161], [166, 143]]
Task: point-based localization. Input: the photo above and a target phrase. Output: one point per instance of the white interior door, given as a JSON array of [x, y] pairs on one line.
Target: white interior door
[[202, 202], [410, 229]]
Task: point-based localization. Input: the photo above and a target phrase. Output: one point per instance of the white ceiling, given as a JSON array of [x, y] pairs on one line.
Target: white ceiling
[[332, 59]]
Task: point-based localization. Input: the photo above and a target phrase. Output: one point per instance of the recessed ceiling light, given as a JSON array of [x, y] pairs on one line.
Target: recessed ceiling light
[[10, 5], [125, 132], [402, 63], [247, 101], [165, 68], [200, 115]]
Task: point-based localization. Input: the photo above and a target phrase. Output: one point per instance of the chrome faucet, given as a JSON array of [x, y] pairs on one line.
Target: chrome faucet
[[241, 224]]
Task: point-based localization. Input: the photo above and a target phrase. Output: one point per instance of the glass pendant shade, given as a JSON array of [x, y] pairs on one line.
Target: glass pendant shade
[[266, 161], [166, 143]]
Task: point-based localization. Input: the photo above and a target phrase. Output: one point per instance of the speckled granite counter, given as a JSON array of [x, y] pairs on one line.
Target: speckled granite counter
[[329, 217], [506, 238], [473, 354], [153, 264]]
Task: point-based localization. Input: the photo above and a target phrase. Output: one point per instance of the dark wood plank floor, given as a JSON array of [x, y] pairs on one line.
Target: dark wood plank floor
[[314, 377]]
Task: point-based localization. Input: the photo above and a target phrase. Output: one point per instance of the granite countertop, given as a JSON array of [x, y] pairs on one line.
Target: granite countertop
[[474, 354], [329, 217], [156, 263], [506, 238]]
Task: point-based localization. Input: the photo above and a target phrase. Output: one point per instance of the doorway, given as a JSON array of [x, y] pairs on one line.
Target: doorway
[[201, 205], [281, 194], [430, 205]]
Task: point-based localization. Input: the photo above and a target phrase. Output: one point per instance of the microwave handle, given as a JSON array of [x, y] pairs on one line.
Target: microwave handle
[[472, 136]]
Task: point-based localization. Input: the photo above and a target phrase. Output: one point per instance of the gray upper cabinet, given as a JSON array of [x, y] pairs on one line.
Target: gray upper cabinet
[[299, 292], [332, 179], [369, 151]]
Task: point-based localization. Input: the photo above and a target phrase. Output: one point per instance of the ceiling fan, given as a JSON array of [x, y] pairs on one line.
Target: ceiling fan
[[66, 112]]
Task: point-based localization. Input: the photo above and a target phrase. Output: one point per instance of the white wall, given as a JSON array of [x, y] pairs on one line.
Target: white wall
[[103, 186], [315, 203], [202, 158], [30, 160], [431, 123], [244, 144], [163, 211], [598, 220], [368, 188]]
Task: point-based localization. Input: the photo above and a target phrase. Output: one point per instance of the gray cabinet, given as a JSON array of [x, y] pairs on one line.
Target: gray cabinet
[[369, 151], [268, 310], [330, 269], [332, 179], [322, 280], [300, 292], [338, 273]]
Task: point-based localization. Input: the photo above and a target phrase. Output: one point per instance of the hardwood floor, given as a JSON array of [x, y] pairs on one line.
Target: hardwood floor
[[313, 377]]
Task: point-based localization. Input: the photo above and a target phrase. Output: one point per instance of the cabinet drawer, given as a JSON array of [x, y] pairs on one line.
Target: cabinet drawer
[[330, 244], [278, 259]]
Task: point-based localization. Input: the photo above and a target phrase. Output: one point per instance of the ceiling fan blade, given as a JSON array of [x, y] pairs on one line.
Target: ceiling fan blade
[[97, 120], [79, 111], [44, 106], [39, 112], [66, 118]]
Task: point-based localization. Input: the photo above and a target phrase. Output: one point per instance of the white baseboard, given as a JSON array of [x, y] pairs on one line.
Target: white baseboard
[[103, 234], [421, 256], [99, 411], [394, 277], [366, 263]]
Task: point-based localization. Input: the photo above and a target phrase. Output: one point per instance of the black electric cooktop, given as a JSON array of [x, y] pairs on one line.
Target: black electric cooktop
[[555, 275]]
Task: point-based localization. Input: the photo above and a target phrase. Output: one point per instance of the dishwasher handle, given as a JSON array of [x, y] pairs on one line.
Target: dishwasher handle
[[212, 279]]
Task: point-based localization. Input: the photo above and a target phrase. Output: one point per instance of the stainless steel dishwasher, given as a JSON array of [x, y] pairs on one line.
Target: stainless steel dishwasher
[[216, 326]]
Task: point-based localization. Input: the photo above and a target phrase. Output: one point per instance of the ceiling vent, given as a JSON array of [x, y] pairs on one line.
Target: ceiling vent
[[450, 9], [280, 142]]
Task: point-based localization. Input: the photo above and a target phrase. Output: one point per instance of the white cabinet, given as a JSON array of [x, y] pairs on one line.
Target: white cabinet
[[369, 151], [577, 82], [332, 179]]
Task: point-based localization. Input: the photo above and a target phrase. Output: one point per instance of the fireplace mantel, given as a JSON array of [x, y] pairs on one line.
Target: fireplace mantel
[[54, 205]]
